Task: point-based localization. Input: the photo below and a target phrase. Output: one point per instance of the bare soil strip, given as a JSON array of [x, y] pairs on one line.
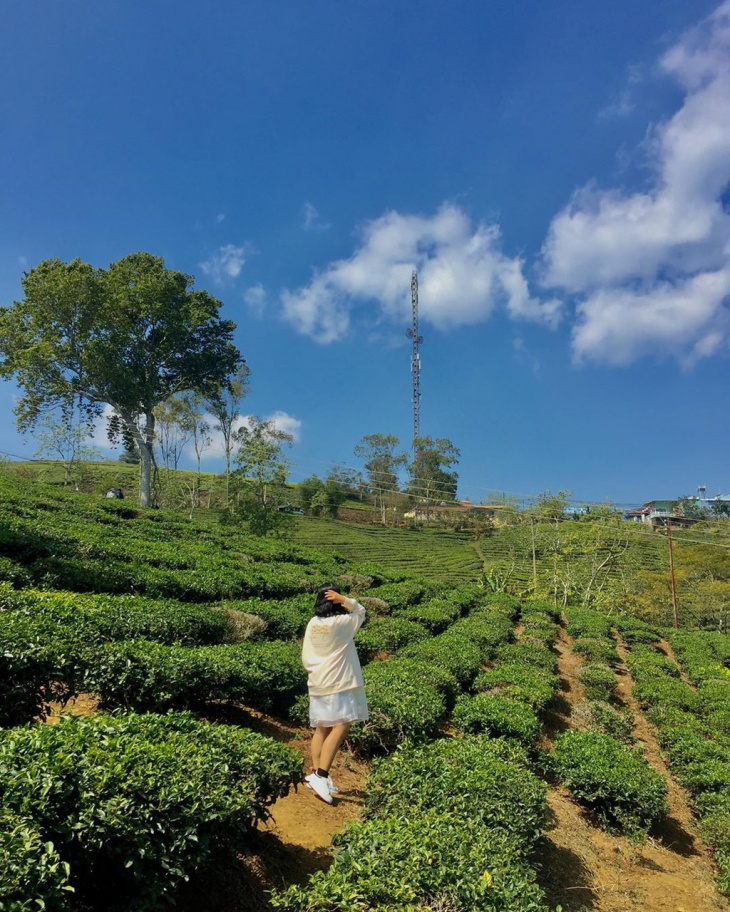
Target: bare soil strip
[[585, 868]]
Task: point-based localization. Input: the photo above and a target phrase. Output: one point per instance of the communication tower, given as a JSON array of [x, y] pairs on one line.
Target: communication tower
[[412, 334]]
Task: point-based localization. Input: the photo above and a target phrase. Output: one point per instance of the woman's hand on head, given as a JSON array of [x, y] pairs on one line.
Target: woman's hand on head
[[333, 596]]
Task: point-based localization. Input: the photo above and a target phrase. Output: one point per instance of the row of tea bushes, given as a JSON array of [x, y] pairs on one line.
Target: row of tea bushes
[[597, 760], [612, 778], [411, 694], [120, 809], [93, 619], [513, 695], [594, 642], [698, 741], [452, 824]]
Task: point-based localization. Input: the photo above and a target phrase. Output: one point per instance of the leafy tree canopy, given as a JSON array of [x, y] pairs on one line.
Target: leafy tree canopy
[[129, 336]]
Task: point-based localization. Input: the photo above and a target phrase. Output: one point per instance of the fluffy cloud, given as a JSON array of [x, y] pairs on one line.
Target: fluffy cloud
[[462, 276], [653, 267], [282, 422], [225, 264]]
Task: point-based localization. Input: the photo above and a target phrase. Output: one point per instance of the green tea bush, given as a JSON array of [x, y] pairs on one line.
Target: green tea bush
[[102, 618], [286, 619], [497, 716], [436, 614], [635, 631], [429, 859], [458, 655], [388, 635], [611, 778], [526, 654], [487, 779], [400, 595], [146, 676], [34, 667], [645, 662], [665, 691], [596, 649], [599, 681], [133, 804], [487, 628], [524, 683], [33, 875], [597, 715], [582, 622], [403, 706]]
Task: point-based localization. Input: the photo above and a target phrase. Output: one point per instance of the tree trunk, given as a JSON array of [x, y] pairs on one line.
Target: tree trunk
[[145, 442]]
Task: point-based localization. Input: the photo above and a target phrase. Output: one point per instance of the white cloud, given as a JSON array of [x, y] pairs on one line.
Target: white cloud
[[287, 423], [653, 267], [220, 217], [311, 219], [99, 436], [255, 299], [463, 275], [282, 421], [225, 264]]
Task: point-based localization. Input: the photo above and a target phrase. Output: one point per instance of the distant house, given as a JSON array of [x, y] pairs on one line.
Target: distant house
[[657, 509]]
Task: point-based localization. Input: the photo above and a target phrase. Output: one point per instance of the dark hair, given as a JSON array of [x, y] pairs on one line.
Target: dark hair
[[325, 609]]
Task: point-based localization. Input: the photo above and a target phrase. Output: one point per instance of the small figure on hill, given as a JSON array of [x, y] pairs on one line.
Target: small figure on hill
[[120, 494], [112, 492], [336, 691]]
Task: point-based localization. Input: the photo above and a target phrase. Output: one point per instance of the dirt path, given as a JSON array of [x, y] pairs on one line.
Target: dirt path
[[584, 868], [292, 845]]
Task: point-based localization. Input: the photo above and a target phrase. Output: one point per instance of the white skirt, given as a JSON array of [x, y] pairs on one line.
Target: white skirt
[[339, 708]]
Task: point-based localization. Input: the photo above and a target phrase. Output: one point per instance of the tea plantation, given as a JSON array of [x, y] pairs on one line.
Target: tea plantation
[[158, 616]]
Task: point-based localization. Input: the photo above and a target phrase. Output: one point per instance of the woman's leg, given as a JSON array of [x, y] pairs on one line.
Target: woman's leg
[[330, 745], [320, 733]]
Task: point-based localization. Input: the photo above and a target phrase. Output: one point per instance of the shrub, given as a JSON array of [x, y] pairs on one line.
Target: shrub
[[478, 777], [488, 629], [601, 716], [599, 681], [134, 803], [611, 778], [388, 635], [596, 649], [34, 666], [286, 619], [664, 691], [497, 716], [458, 655], [147, 676], [33, 875], [523, 683], [582, 622], [102, 618], [240, 626], [646, 662], [436, 614], [402, 704], [399, 595], [526, 654], [415, 861]]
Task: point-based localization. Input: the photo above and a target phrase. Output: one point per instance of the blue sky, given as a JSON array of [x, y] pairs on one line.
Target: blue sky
[[557, 172]]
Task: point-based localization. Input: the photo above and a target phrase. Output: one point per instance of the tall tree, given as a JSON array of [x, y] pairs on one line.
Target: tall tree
[[262, 467], [431, 480], [129, 336], [225, 407], [382, 464]]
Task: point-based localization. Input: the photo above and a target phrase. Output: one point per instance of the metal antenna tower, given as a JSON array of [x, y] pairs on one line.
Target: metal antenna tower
[[412, 334]]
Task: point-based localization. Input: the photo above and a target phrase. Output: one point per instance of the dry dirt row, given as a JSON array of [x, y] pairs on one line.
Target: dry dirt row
[[588, 869]]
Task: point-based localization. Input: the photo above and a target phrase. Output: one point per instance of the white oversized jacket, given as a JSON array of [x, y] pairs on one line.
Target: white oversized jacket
[[328, 651]]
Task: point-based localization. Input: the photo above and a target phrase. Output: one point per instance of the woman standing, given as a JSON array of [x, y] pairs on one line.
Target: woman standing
[[336, 692]]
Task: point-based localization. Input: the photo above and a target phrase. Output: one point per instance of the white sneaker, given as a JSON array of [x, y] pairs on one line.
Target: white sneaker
[[319, 786], [332, 787]]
